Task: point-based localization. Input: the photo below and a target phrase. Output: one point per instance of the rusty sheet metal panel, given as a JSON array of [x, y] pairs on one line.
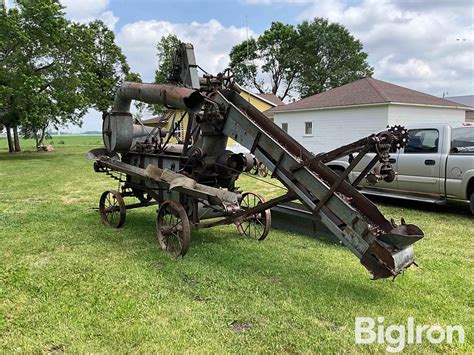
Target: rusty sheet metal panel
[[295, 218]]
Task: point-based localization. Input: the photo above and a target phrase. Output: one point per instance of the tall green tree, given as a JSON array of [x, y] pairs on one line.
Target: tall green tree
[[52, 70], [166, 49], [304, 60], [39, 70], [328, 56], [9, 31], [268, 62], [106, 66]]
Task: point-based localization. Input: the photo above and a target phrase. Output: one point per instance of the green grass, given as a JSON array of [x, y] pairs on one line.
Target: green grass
[[69, 283]]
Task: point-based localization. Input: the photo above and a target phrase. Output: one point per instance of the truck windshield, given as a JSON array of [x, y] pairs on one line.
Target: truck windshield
[[462, 138]]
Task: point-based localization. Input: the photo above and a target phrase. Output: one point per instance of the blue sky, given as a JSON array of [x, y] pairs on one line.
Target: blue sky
[[227, 12], [421, 44]]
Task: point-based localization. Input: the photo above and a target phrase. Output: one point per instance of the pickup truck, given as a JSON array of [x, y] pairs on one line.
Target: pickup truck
[[436, 165]]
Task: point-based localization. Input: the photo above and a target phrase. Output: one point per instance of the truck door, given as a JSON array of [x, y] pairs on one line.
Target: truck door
[[381, 185], [418, 164]]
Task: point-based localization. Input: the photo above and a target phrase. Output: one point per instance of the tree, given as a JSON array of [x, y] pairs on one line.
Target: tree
[[275, 50], [106, 66], [9, 30], [166, 49], [52, 70], [243, 59], [41, 49], [306, 60], [329, 56]]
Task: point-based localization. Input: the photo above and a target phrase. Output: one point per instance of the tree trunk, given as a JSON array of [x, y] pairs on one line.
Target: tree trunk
[[35, 135], [41, 138], [16, 139], [9, 139]]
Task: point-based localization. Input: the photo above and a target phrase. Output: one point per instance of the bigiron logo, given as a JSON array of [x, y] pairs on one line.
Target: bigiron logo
[[397, 336]]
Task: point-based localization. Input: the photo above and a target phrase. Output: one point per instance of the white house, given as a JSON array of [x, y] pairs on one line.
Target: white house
[[339, 116]]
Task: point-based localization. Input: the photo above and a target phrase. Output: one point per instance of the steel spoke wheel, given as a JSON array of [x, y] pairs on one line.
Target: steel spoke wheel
[[173, 229], [255, 226], [112, 209]]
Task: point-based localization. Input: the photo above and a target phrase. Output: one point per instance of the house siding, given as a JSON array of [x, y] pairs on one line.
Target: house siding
[[333, 127], [409, 114], [257, 102]]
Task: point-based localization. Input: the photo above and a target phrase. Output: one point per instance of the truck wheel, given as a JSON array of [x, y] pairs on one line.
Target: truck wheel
[[471, 202]]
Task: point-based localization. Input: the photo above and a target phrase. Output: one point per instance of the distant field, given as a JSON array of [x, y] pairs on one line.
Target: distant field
[[69, 283]]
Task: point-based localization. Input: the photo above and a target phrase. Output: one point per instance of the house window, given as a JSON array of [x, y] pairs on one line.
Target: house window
[[284, 127], [308, 128]]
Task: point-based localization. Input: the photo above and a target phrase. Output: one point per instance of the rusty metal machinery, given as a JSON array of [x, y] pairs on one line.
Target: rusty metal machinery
[[194, 182]]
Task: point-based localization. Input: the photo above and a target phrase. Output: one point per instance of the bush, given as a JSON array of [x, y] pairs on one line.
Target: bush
[[61, 142]]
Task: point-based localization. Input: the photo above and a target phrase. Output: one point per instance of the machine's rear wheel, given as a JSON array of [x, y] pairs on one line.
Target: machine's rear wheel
[[173, 229], [112, 209], [255, 226]]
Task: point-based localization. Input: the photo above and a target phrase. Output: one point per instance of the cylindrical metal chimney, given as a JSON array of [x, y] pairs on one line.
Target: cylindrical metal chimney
[[168, 95]]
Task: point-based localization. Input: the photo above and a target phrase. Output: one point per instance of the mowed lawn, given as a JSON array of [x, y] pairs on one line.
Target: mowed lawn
[[69, 283]]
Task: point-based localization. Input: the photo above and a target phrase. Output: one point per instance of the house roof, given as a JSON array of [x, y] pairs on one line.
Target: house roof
[[466, 100], [365, 92], [258, 97], [272, 98]]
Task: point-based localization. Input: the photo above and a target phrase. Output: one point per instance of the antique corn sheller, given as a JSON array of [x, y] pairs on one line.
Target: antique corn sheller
[[193, 178]]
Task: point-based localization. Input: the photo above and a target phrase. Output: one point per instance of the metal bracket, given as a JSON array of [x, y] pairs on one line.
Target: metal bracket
[[280, 159], [255, 142], [314, 159], [340, 179]]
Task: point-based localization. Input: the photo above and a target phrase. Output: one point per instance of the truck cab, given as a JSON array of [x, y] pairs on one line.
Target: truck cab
[[437, 164]]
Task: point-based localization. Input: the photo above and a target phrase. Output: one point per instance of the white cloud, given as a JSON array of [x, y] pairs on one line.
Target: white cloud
[[108, 18], [88, 10], [212, 43], [425, 45], [412, 68], [85, 8], [413, 44]]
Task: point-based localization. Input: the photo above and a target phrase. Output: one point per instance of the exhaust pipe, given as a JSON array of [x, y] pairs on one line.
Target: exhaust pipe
[[168, 95]]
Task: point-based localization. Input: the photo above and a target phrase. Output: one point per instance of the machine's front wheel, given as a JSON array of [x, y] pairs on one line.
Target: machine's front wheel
[[255, 226], [173, 229], [112, 209]]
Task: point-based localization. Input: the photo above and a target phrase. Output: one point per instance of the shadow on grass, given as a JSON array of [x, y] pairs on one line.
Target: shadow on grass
[[26, 155], [213, 250], [458, 208]]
